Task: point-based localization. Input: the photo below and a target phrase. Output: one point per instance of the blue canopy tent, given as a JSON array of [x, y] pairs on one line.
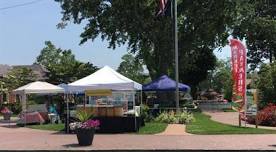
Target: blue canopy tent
[[164, 83]]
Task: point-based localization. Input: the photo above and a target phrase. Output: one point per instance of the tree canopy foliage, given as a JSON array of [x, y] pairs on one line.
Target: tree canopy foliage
[[258, 28], [133, 68], [203, 26], [219, 79], [17, 77], [62, 65], [267, 84]]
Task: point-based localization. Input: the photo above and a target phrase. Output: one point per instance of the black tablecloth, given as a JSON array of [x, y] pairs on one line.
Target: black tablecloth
[[116, 124]]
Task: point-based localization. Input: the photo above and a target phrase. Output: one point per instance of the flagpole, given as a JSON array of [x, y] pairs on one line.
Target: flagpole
[[176, 55]]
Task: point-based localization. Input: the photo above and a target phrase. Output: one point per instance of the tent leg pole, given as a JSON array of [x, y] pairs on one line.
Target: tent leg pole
[[67, 113], [141, 97], [25, 115], [84, 101], [135, 125]]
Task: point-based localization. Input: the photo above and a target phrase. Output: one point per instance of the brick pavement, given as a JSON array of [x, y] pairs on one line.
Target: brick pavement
[[175, 129], [30, 139], [231, 118]]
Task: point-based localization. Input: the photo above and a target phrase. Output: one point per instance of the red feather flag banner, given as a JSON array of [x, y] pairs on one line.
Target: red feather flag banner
[[238, 59]]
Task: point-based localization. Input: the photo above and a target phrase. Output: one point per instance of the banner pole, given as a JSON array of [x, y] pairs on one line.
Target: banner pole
[[245, 91], [239, 119], [257, 111], [67, 113]]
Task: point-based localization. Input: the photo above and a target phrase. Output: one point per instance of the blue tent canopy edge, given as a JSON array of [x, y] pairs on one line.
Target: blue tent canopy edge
[[164, 83]]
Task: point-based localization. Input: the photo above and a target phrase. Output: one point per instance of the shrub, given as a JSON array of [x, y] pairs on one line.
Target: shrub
[[267, 116], [185, 117], [170, 117], [145, 113], [167, 117]]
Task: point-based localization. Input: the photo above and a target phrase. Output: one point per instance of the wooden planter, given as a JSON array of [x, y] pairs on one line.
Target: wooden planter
[[85, 136]]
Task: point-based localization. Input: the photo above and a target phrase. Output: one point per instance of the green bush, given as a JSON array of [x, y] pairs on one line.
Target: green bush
[[166, 117], [267, 84], [145, 113], [170, 117], [185, 117]]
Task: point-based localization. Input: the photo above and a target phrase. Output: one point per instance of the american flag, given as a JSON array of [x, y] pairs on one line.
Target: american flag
[[164, 7]]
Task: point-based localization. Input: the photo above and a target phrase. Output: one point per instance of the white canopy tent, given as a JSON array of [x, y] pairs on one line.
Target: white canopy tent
[[105, 78], [36, 87]]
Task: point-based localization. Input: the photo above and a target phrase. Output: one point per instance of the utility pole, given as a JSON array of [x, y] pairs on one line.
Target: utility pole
[[176, 55]]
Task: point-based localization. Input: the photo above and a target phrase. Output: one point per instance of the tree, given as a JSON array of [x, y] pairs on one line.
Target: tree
[[203, 26], [220, 79], [17, 77], [84, 69], [258, 28], [132, 68], [267, 84], [62, 65]]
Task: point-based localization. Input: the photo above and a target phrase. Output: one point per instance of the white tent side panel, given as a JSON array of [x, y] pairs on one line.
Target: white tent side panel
[[24, 102]]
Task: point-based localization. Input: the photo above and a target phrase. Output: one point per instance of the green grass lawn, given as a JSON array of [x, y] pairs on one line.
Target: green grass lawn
[[149, 128], [153, 128], [52, 127], [205, 126]]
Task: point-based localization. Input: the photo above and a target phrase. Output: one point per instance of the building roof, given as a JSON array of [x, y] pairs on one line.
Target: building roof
[[39, 70], [4, 69]]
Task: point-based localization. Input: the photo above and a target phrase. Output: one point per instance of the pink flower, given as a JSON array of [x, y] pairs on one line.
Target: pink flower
[[85, 125], [5, 110], [90, 124]]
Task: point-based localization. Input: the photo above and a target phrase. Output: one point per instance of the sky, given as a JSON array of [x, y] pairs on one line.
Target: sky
[[24, 30]]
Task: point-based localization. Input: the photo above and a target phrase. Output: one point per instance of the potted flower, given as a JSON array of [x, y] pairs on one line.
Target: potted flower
[[85, 129], [6, 113]]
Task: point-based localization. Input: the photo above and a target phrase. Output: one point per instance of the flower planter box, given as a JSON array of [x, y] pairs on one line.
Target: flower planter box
[[85, 136]]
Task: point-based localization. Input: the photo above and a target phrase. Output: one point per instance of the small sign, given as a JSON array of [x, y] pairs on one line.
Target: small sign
[[252, 110], [102, 92]]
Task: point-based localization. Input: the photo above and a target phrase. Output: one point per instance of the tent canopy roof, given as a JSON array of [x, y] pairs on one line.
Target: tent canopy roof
[[164, 83], [106, 78], [39, 87]]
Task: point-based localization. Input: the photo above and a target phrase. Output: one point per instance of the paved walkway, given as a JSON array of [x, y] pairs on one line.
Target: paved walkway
[[232, 119], [30, 139], [175, 129]]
